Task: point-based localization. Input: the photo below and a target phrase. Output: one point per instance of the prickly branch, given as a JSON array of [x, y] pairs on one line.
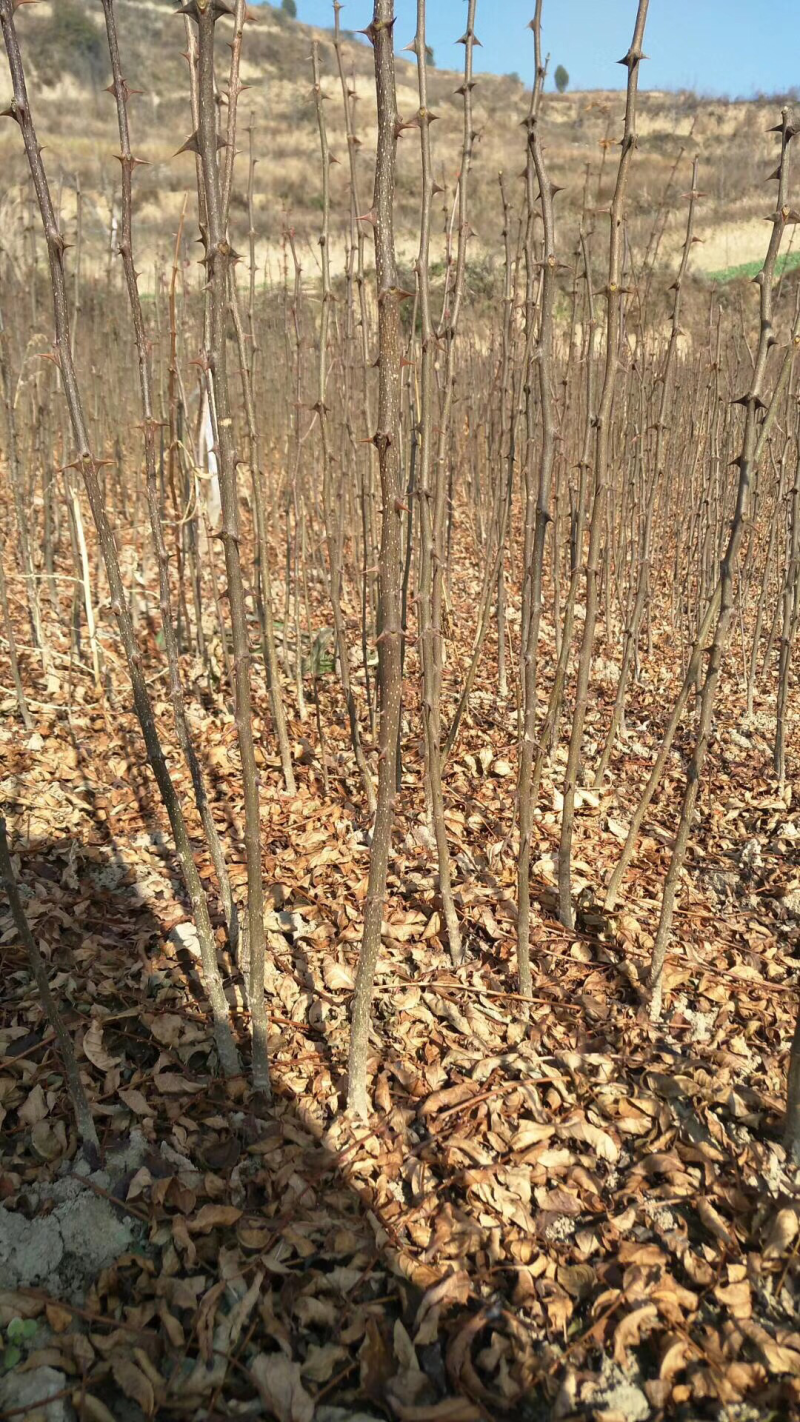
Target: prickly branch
[[88, 465]]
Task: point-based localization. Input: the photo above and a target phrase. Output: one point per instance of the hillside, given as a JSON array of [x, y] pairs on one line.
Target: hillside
[[65, 52]]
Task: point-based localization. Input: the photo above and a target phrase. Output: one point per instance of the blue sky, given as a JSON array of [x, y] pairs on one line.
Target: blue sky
[[734, 47]]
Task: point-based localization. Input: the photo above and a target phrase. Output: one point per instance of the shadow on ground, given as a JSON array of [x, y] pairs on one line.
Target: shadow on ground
[[521, 1230]]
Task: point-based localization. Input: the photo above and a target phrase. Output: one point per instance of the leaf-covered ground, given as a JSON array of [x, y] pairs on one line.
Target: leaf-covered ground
[[557, 1211]]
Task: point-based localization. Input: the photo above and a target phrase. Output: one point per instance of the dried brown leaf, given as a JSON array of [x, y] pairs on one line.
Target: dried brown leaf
[[94, 1050], [631, 1329], [279, 1381], [214, 1217], [134, 1384]]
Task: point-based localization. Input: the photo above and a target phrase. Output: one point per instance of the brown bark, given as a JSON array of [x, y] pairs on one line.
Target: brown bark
[[387, 443], [218, 262], [614, 295]]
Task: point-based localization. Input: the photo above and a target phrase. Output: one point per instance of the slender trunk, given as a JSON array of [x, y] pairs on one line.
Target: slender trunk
[[431, 492], [218, 261], [539, 517], [387, 443], [614, 296]]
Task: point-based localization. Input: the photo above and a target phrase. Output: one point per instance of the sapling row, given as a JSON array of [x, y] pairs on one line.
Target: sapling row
[[373, 444]]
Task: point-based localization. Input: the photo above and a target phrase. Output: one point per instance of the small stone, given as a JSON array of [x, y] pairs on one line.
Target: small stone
[[620, 1395], [19, 1391], [559, 1229], [66, 1248], [184, 936], [750, 857]]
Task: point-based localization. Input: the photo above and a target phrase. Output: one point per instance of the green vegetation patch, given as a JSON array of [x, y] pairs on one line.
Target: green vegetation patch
[[786, 263]]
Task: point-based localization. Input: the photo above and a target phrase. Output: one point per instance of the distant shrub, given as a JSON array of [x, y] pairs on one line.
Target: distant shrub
[[302, 112], [71, 44], [289, 8], [485, 280], [561, 78], [777, 100]]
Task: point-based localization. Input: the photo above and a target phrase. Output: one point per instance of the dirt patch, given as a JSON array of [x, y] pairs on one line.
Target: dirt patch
[[71, 1232]]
